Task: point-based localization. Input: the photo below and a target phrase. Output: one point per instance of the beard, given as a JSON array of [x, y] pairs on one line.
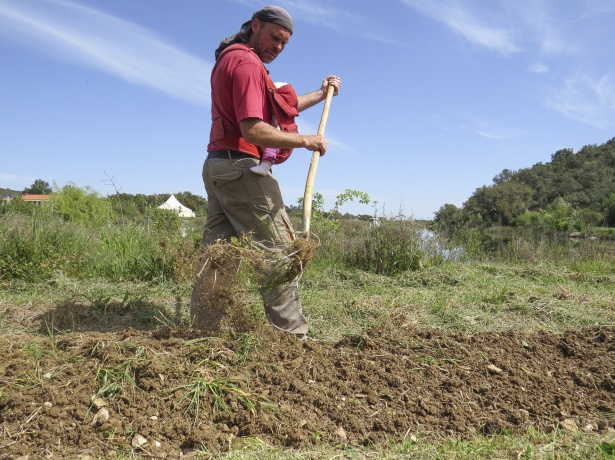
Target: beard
[[265, 53]]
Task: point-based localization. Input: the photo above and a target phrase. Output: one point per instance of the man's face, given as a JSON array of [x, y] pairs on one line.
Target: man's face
[[268, 39]]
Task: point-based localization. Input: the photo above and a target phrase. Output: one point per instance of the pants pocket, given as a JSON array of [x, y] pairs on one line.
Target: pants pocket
[[221, 179]]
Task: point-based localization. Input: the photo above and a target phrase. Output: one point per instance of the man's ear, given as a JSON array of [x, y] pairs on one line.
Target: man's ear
[[255, 25]]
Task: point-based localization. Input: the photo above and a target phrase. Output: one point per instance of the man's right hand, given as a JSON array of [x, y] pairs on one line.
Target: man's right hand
[[316, 142]]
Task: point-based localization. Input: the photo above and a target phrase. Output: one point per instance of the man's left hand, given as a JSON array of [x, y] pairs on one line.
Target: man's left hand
[[334, 81]]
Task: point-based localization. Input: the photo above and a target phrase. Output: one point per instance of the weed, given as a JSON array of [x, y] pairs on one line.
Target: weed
[[53, 342], [203, 391], [199, 348], [316, 437], [247, 343], [496, 296], [608, 448], [34, 350], [115, 372]]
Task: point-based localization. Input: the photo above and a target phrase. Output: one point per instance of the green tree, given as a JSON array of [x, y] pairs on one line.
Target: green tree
[[499, 204], [164, 220], [609, 206], [39, 187], [505, 176], [294, 210], [449, 217], [318, 205], [560, 215]]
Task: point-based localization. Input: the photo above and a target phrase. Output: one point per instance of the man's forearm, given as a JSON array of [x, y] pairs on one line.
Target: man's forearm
[[256, 131], [310, 99]]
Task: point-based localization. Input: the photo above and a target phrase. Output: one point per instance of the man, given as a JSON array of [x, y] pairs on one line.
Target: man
[[244, 99]]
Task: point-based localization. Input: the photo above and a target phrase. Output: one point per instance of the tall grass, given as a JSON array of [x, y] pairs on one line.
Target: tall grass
[[34, 248], [507, 245]]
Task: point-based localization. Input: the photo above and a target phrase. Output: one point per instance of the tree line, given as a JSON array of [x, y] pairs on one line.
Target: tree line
[[130, 206], [135, 207], [574, 191]]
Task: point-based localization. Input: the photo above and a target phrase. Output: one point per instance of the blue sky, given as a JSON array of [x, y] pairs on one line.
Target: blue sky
[[437, 96]]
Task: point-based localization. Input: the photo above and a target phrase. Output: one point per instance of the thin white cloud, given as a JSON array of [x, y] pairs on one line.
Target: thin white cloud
[[91, 38], [585, 98], [462, 20], [496, 136], [552, 42], [538, 67], [564, 41], [542, 27]]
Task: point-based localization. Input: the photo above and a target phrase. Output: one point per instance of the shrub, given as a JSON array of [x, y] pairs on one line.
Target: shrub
[[558, 216], [125, 253], [389, 249], [33, 248], [17, 205], [82, 205], [164, 220]]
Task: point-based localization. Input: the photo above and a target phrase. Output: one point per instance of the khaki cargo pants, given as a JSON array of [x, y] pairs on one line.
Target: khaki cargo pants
[[241, 202]]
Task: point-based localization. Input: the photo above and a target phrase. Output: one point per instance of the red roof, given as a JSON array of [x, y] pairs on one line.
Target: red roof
[[29, 197]]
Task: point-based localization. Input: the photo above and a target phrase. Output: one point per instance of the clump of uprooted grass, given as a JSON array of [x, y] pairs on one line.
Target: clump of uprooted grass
[[217, 302], [284, 263]]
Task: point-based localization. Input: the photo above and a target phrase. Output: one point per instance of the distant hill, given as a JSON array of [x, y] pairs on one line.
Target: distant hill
[[8, 191]]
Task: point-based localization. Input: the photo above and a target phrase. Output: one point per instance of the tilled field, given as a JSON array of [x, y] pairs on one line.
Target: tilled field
[[166, 393]]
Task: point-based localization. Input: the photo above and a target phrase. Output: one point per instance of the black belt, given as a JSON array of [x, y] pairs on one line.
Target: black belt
[[226, 154]]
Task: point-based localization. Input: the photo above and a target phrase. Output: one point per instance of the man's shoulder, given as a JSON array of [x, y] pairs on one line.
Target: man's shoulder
[[240, 53]]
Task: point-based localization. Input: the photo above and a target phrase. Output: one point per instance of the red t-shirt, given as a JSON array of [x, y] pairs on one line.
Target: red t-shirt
[[238, 91]]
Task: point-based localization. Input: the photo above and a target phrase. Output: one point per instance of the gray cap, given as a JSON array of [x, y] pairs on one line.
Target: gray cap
[[277, 15]]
